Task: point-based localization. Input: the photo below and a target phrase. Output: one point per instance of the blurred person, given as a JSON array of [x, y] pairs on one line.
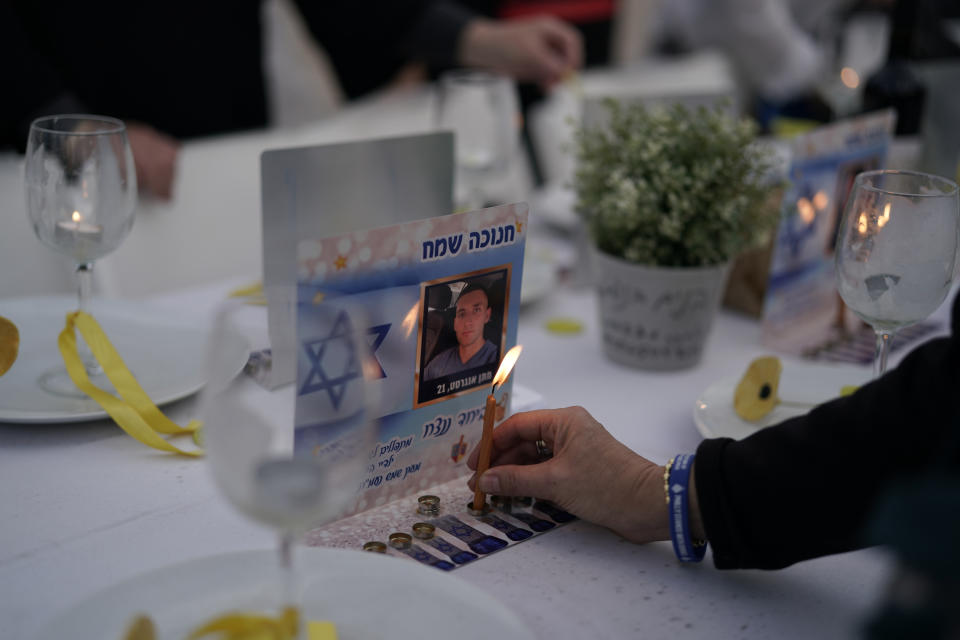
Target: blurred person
[[772, 43], [593, 21], [178, 70]]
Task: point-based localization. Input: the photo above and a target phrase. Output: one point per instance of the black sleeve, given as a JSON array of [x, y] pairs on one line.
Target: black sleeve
[[368, 43], [805, 487]]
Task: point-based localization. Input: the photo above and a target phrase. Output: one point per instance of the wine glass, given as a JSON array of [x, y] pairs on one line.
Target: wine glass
[[293, 458], [483, 112], [81, 190], [896, 250]]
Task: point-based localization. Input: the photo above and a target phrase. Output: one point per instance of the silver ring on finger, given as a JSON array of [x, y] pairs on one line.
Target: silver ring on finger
[[543, 451]]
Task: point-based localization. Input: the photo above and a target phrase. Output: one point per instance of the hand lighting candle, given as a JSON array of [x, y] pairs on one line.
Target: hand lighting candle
[[486, 440]]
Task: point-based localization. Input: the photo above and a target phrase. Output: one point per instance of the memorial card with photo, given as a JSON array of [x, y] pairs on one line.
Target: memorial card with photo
[[438, 300], [803, 314]]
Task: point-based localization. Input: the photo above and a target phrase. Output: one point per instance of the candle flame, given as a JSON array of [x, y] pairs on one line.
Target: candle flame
[[820, 200], [76, 216], [410, 320], [805, 208], [885, 218], [862, 223], [849, 77], [506, 366]]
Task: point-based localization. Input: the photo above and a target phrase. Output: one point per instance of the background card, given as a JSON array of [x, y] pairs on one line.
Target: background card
[[803, 311], [326, 190]]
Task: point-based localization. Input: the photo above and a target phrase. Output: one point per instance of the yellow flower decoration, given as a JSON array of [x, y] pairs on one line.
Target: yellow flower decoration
[[9, 344], [756, 393]]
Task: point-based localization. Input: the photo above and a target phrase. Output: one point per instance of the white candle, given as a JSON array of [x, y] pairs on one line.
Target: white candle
[[77, 230]]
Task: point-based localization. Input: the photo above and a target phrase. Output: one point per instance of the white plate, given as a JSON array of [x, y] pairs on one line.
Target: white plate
[[165, 354], [366, 595], [803, 382]]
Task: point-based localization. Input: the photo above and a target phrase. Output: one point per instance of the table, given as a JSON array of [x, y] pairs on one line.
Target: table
[[83, 506]]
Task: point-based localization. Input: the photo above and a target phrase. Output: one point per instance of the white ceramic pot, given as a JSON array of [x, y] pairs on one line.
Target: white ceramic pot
[[656, 317]]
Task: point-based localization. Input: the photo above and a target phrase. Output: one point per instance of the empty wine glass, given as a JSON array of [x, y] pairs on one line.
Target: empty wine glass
[[482, 110], [81, 190], [897, 250], [293, 458]]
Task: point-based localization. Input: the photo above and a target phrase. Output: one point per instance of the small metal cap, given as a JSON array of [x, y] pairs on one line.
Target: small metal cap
[[400, 540], [428, 505], [483, 510], [423, 530], [375, 546]]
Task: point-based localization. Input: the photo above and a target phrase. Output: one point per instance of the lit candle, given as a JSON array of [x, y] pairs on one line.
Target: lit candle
[[486, 439], [77, 230]]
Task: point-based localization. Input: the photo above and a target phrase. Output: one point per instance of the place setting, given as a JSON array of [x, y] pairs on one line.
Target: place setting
[[365, 411], [861, 259], [81, 194], [290, 481], [875, 256]]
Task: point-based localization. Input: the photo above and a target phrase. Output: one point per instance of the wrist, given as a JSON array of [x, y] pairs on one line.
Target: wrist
[[472, 49], [635, 510], [655, 516]]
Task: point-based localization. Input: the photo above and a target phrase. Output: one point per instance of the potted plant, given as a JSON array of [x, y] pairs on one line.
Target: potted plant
[[670, 196]]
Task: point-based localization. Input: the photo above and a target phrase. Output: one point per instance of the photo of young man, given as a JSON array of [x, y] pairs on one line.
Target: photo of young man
[[472, 349]]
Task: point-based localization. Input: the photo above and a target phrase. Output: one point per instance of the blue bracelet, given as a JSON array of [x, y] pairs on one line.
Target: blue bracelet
[[678, 491]]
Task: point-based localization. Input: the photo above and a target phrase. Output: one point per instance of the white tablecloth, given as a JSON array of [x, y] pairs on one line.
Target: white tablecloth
[[83, 506]]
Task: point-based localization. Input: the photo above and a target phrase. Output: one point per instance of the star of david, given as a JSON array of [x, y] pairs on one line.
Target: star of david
[[376, 335], [334, 382]]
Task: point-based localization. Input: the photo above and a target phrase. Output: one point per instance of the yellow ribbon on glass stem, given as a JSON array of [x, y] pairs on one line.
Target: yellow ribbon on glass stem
[[133, 411]]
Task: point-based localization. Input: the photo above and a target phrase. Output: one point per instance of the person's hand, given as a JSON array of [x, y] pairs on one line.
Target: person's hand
[[591, 474], [155, 157], [543, 50]]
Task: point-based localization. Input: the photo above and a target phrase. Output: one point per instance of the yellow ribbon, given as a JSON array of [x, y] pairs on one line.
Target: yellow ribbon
[[242, 626], [253, 293], [251, 626], [133, 411]]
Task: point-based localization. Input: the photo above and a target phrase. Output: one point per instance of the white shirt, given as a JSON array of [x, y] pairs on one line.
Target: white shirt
[[769, 41]]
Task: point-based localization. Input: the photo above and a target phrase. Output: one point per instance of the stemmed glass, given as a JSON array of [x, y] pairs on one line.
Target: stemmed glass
[[483, 112], [896, 250], [81, 191], [294, 458]]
